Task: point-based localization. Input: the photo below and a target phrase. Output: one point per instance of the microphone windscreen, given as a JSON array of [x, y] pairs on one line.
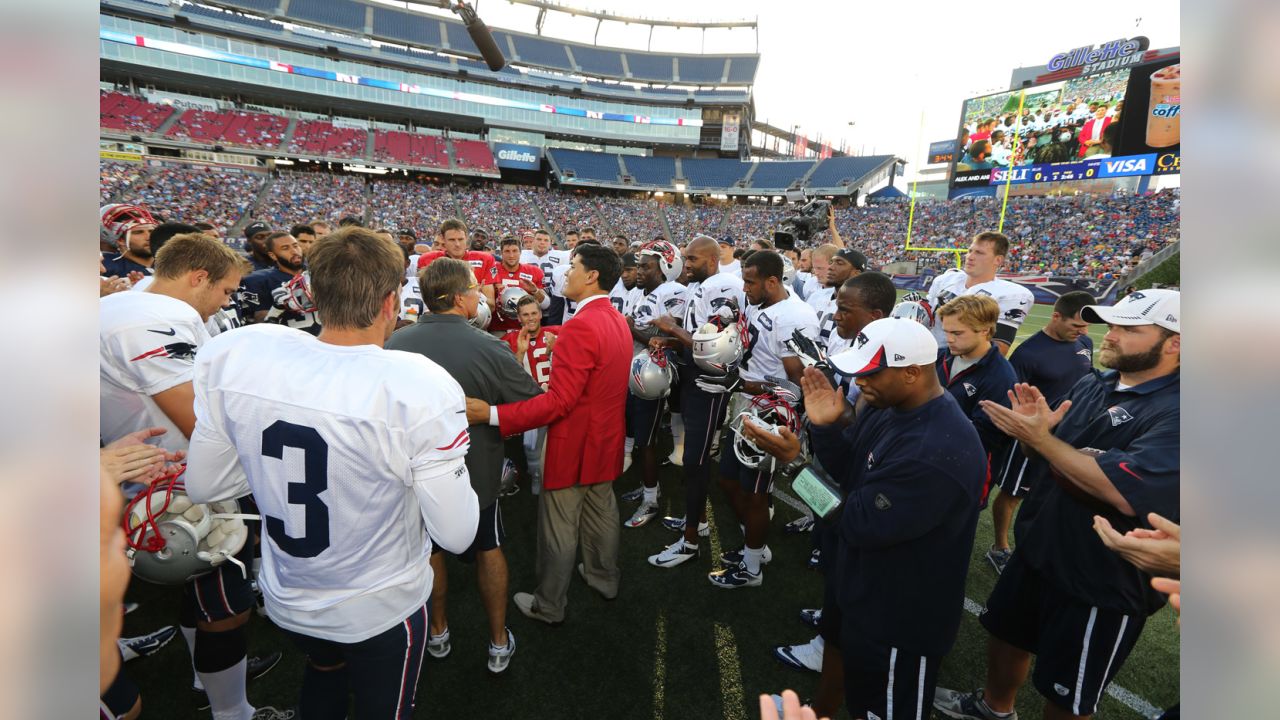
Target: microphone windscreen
[[485, 43]]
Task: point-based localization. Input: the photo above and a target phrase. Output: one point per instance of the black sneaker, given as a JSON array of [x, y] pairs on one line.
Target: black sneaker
[[733, 558], [256, 668], [966, 706], [999, 558]]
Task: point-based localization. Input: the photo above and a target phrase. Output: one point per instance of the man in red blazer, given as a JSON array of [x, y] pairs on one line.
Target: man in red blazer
[[584, 407]]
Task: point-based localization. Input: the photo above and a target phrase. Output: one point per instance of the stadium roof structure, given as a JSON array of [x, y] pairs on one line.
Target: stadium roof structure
[[367, 19]]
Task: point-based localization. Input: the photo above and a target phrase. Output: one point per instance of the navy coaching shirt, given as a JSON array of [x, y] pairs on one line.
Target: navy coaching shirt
[[911, 480], [1137, 430], [991, 378]]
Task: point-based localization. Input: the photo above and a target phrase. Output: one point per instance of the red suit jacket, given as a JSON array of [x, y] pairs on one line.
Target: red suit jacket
[[585, 402]]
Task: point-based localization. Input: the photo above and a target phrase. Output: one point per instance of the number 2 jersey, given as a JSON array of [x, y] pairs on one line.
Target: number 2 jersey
[[353, 455], [1014, 300], [537, 358], [768, 329]]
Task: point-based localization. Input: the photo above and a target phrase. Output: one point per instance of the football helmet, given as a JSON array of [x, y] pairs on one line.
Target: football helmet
[[772, 410], [917, 310], [788, 271], [295, 295], [508, 302], [669, 259], [172, 540], [119, 218], [652, 375], [717, 350], [483, 315]]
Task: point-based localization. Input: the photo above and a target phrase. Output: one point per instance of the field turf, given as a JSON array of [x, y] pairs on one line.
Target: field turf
[[670, 646]]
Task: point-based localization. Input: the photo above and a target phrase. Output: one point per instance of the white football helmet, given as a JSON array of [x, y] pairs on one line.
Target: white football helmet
[[483, 315], [788, 271], [172, 540], [508, 302], [772, 410], [669, 259], [716, 350], [651, 375]]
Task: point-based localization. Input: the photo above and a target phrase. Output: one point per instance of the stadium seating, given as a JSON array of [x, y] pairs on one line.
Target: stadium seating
[[565, 212], [474, 155], [779, 175], [633, 219], [405, 205], [659, 171], [410, 149], [302, 197], [537, 51], [595, 61], [742, 69], [343, 14], [324, 139], [115, 176], [199, 12], [834, 171], [230, 127], [685, 222], [264, 7], [700, 69], [126, 113], [501, 210], [748, 222], [600, 167], [644, 66], [211, 194], [713, 173], [408, 27]]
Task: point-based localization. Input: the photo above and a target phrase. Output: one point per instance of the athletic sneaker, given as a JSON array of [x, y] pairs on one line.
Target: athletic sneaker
[[811, 616], [732, 578], [509, 490], [999, 558], [733, 558], [626, 461], [676, 524], [677, 456], [801, 657], [634, 495], [674, 554], [270, 713], [130, 607], [499, 657], [967, 706], [255, 668], [642, 515], [144, 645], [438, 646], [801, 524]]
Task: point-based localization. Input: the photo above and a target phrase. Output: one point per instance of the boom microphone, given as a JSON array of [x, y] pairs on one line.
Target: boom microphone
[[481, 36]]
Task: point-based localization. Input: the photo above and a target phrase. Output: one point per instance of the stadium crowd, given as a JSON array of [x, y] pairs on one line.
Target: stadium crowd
[[892, 422]]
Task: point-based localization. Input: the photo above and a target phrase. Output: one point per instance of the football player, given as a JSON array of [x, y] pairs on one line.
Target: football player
[[547, 259], [987, 254], [532, 343], [709, 291], [127, 230], [626, 293], [660, 265], [844, 264], [558, 274], [773, 315], [149, 341], [513, 273], [453, 234], [352, 493]]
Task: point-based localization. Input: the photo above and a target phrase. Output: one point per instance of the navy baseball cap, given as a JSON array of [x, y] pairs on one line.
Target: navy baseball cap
[[254, 228], [853, 257]]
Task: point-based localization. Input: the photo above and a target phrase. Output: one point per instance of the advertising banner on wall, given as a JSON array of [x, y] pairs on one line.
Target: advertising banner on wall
[[517, 157], [730, 132]]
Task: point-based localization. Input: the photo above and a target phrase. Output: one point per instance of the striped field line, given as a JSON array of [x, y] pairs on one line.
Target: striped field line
[[660, 668]]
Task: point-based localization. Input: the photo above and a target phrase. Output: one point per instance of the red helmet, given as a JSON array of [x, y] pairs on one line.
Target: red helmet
[[669, 259], [118, 219]]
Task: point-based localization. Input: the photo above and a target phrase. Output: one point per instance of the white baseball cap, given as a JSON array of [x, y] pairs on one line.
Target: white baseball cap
[[887, 342], [1141, 307]]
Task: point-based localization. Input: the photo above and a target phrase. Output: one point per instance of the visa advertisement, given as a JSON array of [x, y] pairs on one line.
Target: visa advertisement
[[1054, 132]]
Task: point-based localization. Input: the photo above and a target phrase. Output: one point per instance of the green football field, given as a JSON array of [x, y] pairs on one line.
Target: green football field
[[670, 646]]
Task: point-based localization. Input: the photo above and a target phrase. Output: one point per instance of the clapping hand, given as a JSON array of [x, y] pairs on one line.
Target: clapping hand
[[1029, 418], [822, 403], [784, 445], [1157, 551]]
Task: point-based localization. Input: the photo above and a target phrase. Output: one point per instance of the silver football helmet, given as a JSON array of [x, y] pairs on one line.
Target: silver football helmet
[[652, 375], [716, 350], [772, 410], [914, 310], [788, 271], [508, 302], [172, 540], [483, 315]]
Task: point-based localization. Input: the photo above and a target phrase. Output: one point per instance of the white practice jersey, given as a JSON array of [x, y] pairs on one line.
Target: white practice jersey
[[552, 260], [148, 344], [767, 330], [624, 300], [411, 305], [1014, 300], [354, 456], [667, 299], [557, 289], [733, 268], [706, 297], [811, 286]]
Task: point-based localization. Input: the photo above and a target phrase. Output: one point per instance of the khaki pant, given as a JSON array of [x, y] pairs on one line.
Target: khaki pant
[[586, 515]]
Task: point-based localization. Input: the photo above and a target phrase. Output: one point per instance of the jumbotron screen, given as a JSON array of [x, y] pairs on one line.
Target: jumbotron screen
[[1110, 124]]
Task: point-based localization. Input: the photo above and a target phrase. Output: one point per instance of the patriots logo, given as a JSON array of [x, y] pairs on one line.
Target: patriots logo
[[1085, 352], [882, 502], [861, 340], [1119, 415], [177, 351], [871, 459], [1015, 314], [1136, 295], [945, 297], [983, 292], [672, 302], [970, 390]]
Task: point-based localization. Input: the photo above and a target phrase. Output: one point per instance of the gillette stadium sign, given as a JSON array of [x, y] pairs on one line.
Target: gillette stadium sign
[[1109, 56], [518, 157]]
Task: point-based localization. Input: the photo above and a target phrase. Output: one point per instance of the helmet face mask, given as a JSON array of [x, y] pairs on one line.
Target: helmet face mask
[[772, 411], [171, 540], [652, 376], [670, 262], [483, 315], [914, 310]]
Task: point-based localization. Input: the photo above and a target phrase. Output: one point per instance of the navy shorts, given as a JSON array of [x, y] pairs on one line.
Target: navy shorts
[[886, 682], [382, 671], [489, 534], [1079, 648], [703, 414], [752, 480], [1011, 471], [120, 696], [645, 418], [223, 593]]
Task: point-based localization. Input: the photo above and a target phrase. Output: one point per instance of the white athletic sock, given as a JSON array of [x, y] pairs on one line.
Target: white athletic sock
[[629, 445], [227, 693], [651, 495], [751, 557], [817, 643], [126, 652], [677, 429], [189, 635]]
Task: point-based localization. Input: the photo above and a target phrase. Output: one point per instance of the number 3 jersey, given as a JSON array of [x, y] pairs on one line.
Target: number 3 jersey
[[353, 454], [767, 329]]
